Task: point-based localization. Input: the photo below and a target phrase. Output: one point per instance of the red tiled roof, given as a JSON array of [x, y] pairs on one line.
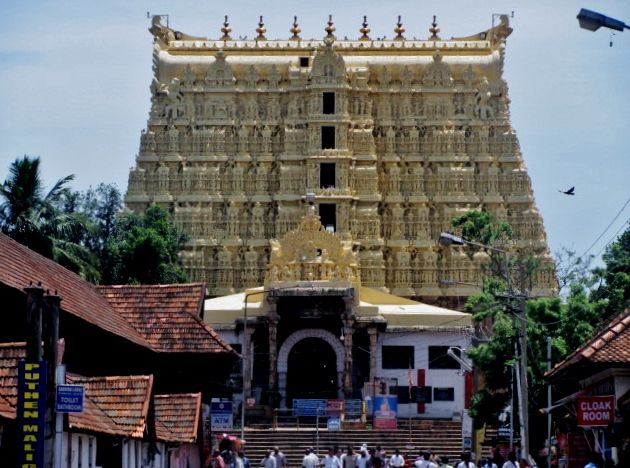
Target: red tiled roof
[[177, 417], [113, 405], [167, 316], [20, 266], [611, 346], [10, 355]]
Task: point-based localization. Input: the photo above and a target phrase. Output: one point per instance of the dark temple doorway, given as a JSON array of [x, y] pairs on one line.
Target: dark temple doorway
[[311, 371]]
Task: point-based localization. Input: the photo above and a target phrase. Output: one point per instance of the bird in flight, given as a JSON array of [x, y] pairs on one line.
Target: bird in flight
[[571, 191]]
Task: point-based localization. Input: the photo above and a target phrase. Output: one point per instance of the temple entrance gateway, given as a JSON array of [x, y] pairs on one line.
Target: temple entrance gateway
[[311, 371], [310, 365]]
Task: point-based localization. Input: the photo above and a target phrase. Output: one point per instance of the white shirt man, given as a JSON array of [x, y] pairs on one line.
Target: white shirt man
[[310, 460], [331, 460], [363, 459], [397, 460], [269, 461]]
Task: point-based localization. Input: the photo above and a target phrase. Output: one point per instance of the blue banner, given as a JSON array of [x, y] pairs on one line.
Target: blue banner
[[31, 413], [309, 407]]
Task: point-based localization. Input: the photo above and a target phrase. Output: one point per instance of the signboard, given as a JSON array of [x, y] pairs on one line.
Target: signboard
[[69, 399], [333, 424], [221, 418], [422, 394], [352, 408], [309, 407], [595, 411], [334, 407], [385, 411], [31, 413]]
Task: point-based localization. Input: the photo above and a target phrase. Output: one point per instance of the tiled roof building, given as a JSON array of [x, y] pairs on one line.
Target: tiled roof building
[[167, 316], [10, 355], [609, 348], [115, 405], [177, 417]]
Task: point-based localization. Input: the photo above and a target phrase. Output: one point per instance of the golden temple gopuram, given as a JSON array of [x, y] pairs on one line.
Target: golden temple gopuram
[[387, 139]]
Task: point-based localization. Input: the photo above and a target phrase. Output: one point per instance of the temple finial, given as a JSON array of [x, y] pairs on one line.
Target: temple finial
[[434, 30], [226, 30], [399, 30], [364, 30], [295, 30], [261, 30], [330, 29]]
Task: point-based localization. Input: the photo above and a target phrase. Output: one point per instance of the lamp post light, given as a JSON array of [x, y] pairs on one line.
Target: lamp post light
[[592, 21], [447, 239]]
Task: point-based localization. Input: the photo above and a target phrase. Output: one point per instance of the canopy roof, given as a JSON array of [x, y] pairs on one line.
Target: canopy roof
[[373, 305]]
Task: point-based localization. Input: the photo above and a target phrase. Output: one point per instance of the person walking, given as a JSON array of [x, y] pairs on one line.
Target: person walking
[[281, 460], [310, 460], [397, 460], [424, 461], [363, 460], [244, 459], [466, 463], [331, 460], [511, 461], [350, 459], [442, 462], [269, 461]]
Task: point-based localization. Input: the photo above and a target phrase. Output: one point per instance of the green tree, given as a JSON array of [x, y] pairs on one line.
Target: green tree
[[144, 250], [33, 218], [569, 320], [613, 281]]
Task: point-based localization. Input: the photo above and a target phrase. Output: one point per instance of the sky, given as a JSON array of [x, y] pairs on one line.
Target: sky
[[75, 76]]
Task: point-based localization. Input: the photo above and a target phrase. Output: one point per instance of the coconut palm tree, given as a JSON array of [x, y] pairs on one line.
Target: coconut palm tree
[[35, 219]]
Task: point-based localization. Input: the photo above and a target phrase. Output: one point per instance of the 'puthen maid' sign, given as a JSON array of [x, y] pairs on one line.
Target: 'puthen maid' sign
[[595, 410], [69, 399]]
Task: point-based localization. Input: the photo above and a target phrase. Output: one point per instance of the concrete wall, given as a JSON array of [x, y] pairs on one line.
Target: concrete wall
[[434, 377]]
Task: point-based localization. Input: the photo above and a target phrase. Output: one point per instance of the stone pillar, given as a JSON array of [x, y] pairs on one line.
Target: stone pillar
[[247, 363], [348, 331], [282, 389], [373, 342], [273, 348]]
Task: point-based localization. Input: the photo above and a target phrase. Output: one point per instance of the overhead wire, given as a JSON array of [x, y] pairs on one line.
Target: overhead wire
[[607, 228], [612, 239]]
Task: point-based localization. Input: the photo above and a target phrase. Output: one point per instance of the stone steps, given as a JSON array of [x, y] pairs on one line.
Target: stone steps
[[442, 437]]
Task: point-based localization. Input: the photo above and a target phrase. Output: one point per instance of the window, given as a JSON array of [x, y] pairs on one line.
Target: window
[[398, 357], [402, 393], [443, 394], [439, 359], [328, 104], [327, 175], [303, 62], [328, 137], [328, 216]]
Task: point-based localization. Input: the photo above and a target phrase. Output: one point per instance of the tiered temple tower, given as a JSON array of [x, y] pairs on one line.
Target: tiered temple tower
[[389, 139]]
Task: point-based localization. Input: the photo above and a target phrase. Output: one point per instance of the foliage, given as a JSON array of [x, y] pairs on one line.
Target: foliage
[[34, 219], [614, 280], [569, 320], [144, 249]]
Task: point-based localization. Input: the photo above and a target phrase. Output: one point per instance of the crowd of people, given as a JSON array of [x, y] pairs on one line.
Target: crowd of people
[[366, 457]]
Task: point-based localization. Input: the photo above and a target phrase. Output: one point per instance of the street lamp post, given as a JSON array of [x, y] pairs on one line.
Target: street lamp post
[[448, 239], [592, 21]]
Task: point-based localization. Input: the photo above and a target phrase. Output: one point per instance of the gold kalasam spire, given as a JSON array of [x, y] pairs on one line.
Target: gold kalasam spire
[[295, 30], [364, 30], [330, 29], [261, 30], [399, 30], [434, 30], [226, 30]]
